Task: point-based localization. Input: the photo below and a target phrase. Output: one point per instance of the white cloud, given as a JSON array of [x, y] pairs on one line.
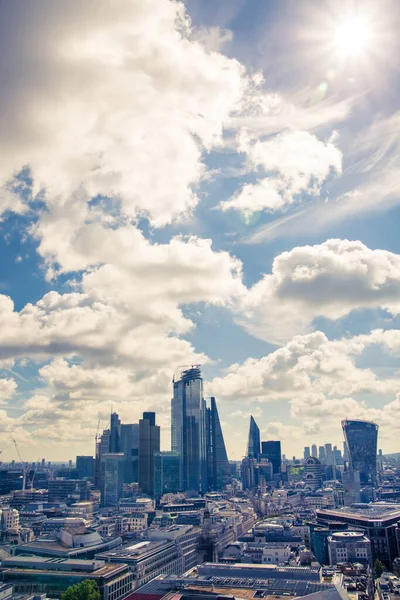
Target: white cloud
[[326, 280], [8, 387], [122, 107], [298, 161]]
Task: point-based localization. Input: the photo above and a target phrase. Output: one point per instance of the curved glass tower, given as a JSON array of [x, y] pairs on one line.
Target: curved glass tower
[[253, 444], [362, 444]]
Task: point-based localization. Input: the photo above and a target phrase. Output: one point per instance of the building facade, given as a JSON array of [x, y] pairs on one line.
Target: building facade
[[362, 445], [166, 473], [149, 444], [349, 547], [188, 429], [271, 450], [253, 444], [111, 478], [217, 458]]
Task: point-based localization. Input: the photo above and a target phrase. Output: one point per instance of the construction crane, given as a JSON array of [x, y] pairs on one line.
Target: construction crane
[[24, 465]]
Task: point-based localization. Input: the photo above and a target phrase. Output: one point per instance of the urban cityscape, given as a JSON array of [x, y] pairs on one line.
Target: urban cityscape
[[199, 300], [143, 522]]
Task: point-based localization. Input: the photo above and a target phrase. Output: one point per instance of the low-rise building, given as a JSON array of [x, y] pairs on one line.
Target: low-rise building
[[349, 546], [40, 575]]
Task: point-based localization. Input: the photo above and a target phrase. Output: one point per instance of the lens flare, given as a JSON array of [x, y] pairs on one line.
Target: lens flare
[[352, 37]]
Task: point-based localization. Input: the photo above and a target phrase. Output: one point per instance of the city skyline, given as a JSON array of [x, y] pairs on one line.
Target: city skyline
[[210, 183]]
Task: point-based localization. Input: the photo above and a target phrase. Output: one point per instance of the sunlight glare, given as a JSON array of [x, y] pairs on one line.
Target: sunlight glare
[[352, 37]]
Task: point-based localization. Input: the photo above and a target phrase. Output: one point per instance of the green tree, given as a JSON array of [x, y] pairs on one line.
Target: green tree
[[85, 590], [379, 567]]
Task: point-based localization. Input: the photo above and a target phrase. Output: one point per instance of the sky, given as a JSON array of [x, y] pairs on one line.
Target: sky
[[211, 183]]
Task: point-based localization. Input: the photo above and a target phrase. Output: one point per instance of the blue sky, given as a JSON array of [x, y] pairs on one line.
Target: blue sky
[[214, 184]]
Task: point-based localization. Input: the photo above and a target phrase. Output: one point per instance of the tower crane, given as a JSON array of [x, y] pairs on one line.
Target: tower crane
[[24, 465]]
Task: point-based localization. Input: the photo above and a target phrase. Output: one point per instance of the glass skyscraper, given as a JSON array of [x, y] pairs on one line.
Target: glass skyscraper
[[272, 451], [362, 444], [217, 458], [149, 444], [166, 473], [188, 429], [111, 478], [253, 444]]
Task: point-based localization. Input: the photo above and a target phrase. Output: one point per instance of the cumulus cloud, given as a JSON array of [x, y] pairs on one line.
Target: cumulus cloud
[[326, 280], [297, 162], [123, 108], [8, 387]]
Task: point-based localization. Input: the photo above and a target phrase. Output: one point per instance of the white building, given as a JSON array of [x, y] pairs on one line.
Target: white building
[[349, 546], [275, 553]]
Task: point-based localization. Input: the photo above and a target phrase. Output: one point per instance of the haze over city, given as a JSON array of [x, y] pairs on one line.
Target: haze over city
[[207, 183]]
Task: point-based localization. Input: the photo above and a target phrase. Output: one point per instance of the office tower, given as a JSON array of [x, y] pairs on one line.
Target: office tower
[[149, 444], [351, 487], [314, 450], [321, 453], [345, 452], [68, 490], [115, 434], [102, 447], [111, 478], [218, 469], [306, 453], [253, 444], [85, 467], [313, 469], [130, 448], [362, 443], [329, 454], [248, 473], [188, 429], [166, 473], [272, 451]]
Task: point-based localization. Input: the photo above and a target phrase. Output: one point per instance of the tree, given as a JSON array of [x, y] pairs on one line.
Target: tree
[[379, 567], [85, 590]]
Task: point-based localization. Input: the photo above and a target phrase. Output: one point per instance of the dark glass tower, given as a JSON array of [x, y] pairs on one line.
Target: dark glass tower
[[272, 451], [115, 433], [130, 448], [166, 473], [188, 429], [111, 478], [149, 444], [253, 444], [217, 458], [362, 444]]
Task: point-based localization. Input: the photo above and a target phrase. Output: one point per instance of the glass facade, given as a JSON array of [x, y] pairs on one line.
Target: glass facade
[[166, 473], [217, 458], [272, 451], [253, 444], [111, 478], [130, 448], [188, 429], [362, 445]]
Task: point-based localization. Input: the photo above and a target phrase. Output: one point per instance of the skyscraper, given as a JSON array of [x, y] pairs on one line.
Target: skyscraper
[[102, 447], [166, 473], [149, 444], [217, 458], [362, 444], [272, 451], [85, 467], [306, 453], [115, 433], [321, 453], [314, 450], [188, 429], [130, 448], [111, 478], [253, 444]]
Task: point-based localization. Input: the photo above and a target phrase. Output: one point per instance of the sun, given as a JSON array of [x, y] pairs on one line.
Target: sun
[[352, 37]]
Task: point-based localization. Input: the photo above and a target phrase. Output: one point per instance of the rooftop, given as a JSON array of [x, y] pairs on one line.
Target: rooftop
[[372, 511]]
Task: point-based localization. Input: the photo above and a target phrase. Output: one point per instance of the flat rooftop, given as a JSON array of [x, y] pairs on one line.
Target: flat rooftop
[[372, 511]]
